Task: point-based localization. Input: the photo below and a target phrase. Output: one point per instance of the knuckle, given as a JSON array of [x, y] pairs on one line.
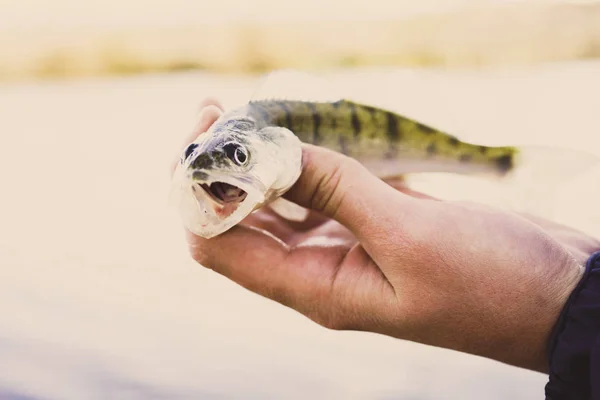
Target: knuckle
[[328, 195], [325, 189]]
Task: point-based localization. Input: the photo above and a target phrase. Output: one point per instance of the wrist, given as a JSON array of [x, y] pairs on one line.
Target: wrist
[[568, 284], [518, 333]]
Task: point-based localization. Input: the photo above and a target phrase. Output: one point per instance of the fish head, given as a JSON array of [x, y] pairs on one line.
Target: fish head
[[231, 170]]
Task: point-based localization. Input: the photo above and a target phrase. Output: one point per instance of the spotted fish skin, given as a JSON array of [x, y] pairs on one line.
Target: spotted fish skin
[[370, 133]]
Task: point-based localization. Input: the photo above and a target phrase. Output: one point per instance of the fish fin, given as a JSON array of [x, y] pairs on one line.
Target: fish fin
[[395, 181], [542, 175], [398, 179], [540, 183], [291, 84], [385, 169], [289, 210]]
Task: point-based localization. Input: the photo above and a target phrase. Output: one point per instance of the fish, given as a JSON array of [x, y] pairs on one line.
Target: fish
[[252, 155]]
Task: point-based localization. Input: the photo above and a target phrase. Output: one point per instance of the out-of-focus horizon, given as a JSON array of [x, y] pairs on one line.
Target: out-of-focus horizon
[[65, 38]]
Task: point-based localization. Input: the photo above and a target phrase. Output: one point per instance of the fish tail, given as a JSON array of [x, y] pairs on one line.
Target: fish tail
[[499, 161], [435, 150]]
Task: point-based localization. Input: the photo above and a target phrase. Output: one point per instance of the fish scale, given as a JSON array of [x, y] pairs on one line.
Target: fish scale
[[252, 155], [369, 133]]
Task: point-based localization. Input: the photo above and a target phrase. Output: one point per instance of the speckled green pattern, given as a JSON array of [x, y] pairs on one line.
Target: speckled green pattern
[[366, 132]]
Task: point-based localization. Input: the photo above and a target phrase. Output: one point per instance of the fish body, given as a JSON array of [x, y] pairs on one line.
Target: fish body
[[252, 155], [375, 136]]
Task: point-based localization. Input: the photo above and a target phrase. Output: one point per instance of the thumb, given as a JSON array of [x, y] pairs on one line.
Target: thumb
[[343, 189]]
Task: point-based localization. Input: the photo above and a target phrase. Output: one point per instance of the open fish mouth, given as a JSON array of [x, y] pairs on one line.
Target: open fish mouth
[[222, 198], [224, 193]]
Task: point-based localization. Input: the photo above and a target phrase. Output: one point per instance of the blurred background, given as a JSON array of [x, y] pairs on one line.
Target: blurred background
[[66, 38], [98, 297]]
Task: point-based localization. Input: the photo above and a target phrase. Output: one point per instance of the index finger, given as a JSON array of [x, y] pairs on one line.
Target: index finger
[[210, 111], [263, 264]]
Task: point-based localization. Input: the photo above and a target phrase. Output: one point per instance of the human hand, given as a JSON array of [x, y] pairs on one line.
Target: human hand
[[385, 259]]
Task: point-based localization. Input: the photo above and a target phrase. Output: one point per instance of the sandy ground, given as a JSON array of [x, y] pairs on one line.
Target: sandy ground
[[98, 298]]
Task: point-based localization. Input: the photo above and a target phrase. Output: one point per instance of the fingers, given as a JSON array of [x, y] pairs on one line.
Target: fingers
[[208, 116], [271, 222], [265, 265], [343, 189], [245, 255], [210, 111], [294, 233], [228, 253], [312, 220], [210, 101]]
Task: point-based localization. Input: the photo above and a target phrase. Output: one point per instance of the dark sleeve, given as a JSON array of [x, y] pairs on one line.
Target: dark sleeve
[[574, 352]]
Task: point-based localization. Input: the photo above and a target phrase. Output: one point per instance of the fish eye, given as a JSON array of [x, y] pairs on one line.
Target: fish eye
[[236, 153], [240, 156]]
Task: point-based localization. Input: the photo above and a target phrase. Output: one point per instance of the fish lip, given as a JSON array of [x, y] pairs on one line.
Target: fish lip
[[198, 212], [206, 188], [217, 206], [252, 186]]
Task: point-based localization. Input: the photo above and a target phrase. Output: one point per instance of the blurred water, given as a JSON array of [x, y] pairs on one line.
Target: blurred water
[[98, 298]]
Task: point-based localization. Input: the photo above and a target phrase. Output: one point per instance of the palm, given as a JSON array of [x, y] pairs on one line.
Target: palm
[[326, 259]]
